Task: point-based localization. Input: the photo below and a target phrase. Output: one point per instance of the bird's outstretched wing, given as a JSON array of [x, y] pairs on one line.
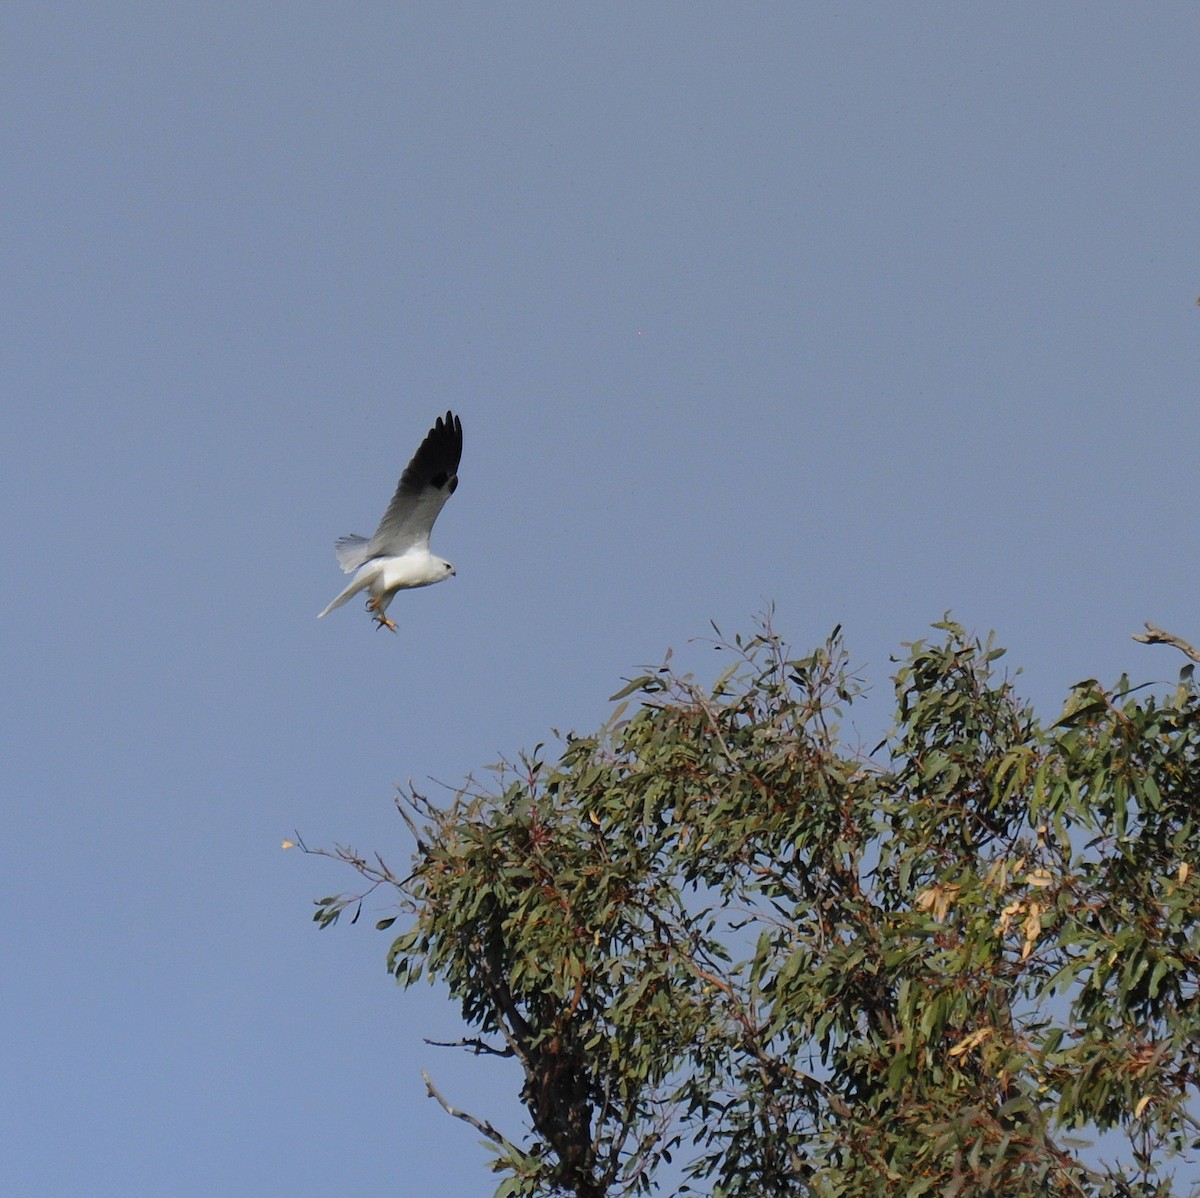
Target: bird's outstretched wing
[[427, 482]]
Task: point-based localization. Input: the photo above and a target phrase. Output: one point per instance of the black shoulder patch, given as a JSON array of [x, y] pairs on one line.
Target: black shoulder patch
[[439, 480]]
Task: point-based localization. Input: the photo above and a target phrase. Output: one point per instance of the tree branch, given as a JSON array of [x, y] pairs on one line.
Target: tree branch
[[1156, 636], [480, 1125], [476, 1046]]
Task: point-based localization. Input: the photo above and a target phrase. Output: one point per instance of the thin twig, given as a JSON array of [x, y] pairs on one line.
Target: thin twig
[[702, 701], [1156, 636]]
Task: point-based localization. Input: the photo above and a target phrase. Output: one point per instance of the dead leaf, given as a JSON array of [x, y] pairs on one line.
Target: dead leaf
[[937, 899], [1032, 929], [971, 1040]]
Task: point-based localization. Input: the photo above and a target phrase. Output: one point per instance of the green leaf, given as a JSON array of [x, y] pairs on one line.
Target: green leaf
[[640, 683]]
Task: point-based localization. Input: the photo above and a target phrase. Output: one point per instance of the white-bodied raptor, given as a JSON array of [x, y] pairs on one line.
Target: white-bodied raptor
[[397, 556]]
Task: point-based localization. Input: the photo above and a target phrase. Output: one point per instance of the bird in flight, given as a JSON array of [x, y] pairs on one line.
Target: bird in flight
[[397, 556]]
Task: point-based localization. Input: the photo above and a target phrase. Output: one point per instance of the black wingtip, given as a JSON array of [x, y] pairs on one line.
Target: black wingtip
[[438, 457], [449, 424]]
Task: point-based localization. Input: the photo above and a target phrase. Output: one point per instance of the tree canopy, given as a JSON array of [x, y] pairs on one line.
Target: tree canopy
[[716, 936]]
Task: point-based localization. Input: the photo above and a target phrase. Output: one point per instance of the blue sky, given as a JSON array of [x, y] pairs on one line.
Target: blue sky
[[871, 311]]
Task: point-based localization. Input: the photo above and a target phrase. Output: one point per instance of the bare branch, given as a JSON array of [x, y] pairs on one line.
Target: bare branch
[[411, 823], [480, 1125], [476, 1046], [1156, 636]]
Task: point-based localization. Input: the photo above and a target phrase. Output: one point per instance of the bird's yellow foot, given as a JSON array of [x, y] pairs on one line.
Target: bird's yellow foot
[[381, 620]]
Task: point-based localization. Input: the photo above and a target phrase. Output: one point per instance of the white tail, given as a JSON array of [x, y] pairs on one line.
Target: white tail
[[360, 581]]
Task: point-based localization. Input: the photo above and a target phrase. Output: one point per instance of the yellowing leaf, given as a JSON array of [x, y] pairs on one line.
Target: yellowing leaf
[[1142, 1103], [1032, 929], [971, 1040], [937, 899], [1039, 877], [997, 874], [1007, 915], [1183, 872], [288, 844]]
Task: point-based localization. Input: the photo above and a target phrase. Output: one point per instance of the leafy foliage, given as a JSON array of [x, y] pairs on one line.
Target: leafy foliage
[[713, 934]]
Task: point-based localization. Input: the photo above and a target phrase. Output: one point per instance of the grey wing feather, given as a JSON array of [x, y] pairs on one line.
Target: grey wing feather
[[427, 482]]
